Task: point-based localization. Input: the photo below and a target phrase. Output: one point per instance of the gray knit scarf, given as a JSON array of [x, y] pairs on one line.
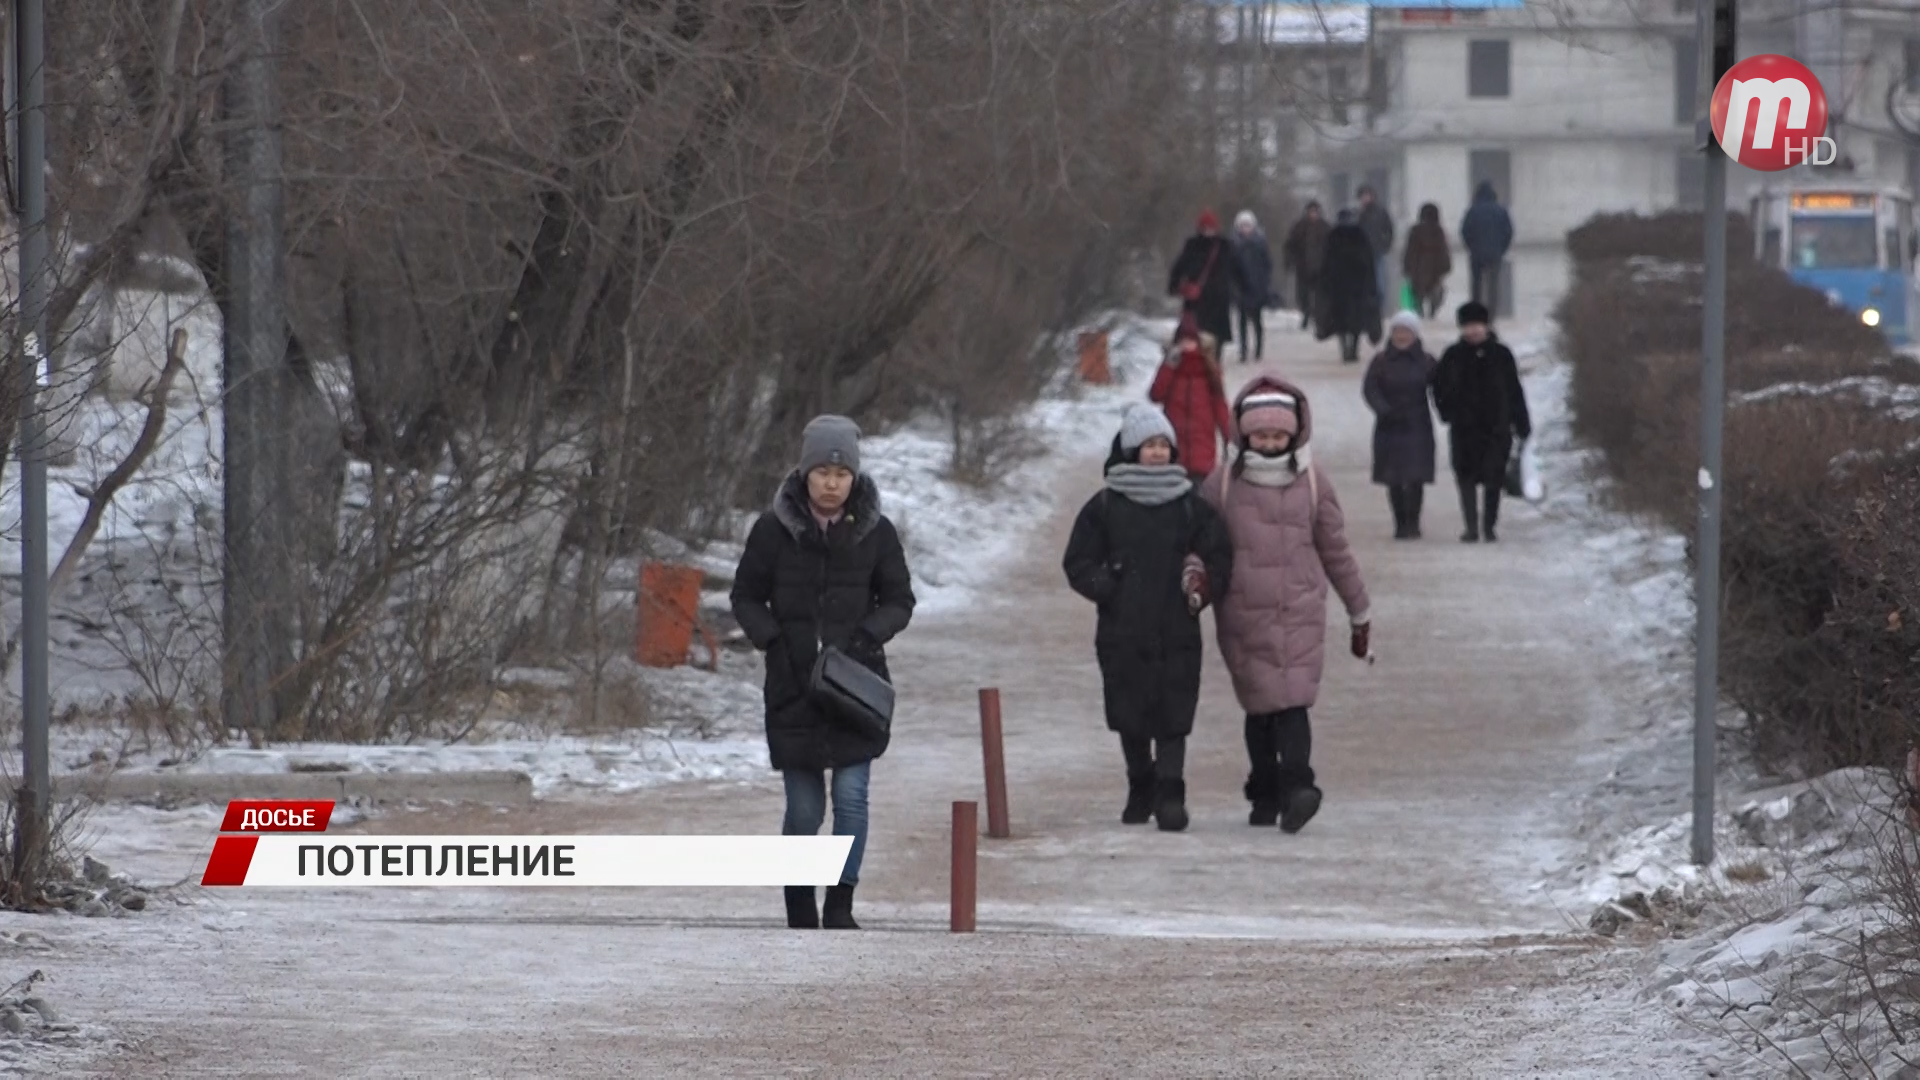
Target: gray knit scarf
[[1149, 485]]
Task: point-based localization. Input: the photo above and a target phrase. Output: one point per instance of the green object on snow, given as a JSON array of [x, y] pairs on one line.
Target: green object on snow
[[1406, 296]]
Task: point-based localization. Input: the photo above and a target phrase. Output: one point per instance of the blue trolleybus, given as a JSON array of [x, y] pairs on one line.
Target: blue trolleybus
[[1853, 242]]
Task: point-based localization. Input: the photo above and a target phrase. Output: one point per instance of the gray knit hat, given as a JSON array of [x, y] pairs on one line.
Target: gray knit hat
[[830, 440], [1144, 422]]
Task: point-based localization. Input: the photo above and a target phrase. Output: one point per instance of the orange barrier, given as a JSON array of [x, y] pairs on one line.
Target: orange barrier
[[1094, 366], [669, 612]]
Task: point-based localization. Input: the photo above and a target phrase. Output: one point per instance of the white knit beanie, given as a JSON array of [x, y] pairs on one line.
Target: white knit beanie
[[1144, 422], [1404, 318]]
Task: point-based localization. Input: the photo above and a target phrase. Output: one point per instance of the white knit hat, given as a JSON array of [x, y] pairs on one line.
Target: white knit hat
[[1245, 220], [1404, 318], [1144, 422]]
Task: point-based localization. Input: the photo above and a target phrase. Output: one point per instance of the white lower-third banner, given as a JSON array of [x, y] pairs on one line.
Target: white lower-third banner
[[296, 859]]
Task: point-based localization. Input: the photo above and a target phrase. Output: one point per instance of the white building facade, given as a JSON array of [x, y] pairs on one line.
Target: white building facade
[[1579, 107]]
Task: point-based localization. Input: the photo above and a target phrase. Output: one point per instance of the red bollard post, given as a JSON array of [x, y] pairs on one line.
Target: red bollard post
[[966, 866], [995, 753]]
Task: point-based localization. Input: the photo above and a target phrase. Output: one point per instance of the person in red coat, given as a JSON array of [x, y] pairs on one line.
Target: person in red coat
[[1189, 389]]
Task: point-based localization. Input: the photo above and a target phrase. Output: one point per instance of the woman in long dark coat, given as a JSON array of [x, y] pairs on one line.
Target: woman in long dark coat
[[1477, 390], [1396, 389], [1206, 277], [822, 567], [1427, 261], [1349, 303], [1151, 554]]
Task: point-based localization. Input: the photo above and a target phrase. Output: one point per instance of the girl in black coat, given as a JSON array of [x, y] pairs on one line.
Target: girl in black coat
[[822, 567], [1151, 554], [1477, 390], [1396, 390], [1349, 301]]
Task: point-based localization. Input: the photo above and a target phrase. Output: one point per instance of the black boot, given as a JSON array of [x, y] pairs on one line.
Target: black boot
[[1139, 809], [1402, 505], [1301, 806], [1470, 509], [1492, 516], [837, 912], [1170, 808], [801, 914], [1263, 791], [1416, 498]]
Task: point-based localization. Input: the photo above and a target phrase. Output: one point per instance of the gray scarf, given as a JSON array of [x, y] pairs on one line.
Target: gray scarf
[[1149, 485]]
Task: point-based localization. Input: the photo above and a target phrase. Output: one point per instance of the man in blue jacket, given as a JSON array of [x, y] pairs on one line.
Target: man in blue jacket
[[1487, 232]]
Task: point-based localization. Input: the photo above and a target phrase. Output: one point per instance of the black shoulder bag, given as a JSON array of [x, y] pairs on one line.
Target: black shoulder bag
[[854, 692]]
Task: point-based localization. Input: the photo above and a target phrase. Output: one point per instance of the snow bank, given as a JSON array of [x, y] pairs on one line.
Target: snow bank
[[959, 536]]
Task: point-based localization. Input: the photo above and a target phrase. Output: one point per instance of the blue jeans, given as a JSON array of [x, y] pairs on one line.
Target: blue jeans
[[807, 808]]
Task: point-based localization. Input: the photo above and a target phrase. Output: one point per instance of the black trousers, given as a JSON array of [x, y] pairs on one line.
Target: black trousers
[[1486, 286], [1349, 346], [1306, 289], [1279, 749], [1168, 763], [1406, 500], [1429, 304], [1479, 518], [1251, 326]]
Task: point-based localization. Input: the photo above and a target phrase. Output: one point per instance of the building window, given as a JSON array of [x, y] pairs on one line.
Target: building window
[[1491, 167], [1379, 98], [1686, 80], [1913, 65], [1489, 69], [1342, 185], [1338, 92], [1377, 180], [1690, 180]]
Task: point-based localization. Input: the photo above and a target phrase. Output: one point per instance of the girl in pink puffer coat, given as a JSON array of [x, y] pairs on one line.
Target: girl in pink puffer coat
[[1289, 543]]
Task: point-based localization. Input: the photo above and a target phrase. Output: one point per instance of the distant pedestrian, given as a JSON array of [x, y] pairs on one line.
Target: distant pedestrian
[[1487, 233], [1250, 250], [1152, 556], [822, 567], [1289, 541], [1396, 389], [1206, 277], [1378, 225], [1349, 303], [1190, 388], [1304, 252], [1427, 262], [1477, 389]]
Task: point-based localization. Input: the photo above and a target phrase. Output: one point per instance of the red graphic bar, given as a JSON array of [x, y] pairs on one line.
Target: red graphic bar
[[229, 861], [277, 815]]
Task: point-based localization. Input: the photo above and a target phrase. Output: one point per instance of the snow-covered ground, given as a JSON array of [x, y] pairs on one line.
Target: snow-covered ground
[[701, 725], [1764, 944]]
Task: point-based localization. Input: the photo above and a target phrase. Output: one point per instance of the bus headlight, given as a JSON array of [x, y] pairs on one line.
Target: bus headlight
[[1870, 316]]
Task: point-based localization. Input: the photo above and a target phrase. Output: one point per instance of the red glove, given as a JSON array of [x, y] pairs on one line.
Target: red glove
[[1193, 582], [1362, 637]]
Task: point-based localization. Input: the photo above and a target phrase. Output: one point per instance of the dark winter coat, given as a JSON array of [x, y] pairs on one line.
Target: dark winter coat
[[1349, 300], [1487, 229], [1477, 390], [797, 589], [1305, 250], [1378, 225], [1396, 390], [1189, 390], [1427, 260], [1208, 260], [1256, 269], [1128, 558]]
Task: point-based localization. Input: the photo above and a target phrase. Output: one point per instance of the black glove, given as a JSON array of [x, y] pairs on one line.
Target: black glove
[[862, 645]]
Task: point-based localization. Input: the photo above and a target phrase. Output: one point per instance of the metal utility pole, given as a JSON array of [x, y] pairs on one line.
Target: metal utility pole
[[34, 795], [1716, 22], [255, 577]]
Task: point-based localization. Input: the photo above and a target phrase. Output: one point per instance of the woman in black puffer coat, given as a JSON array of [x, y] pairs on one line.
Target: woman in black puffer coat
[[822, 567], [1151, 554]]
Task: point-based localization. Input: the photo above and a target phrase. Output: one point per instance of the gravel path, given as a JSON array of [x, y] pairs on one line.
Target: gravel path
[[1398, 935]]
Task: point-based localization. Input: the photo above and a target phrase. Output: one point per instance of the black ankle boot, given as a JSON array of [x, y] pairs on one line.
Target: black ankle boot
[[837, 912], [1470, 509], [801, 914], [1139, 809], [1301, 806], [1263, 791], [1170, 808], [1492, 515]]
